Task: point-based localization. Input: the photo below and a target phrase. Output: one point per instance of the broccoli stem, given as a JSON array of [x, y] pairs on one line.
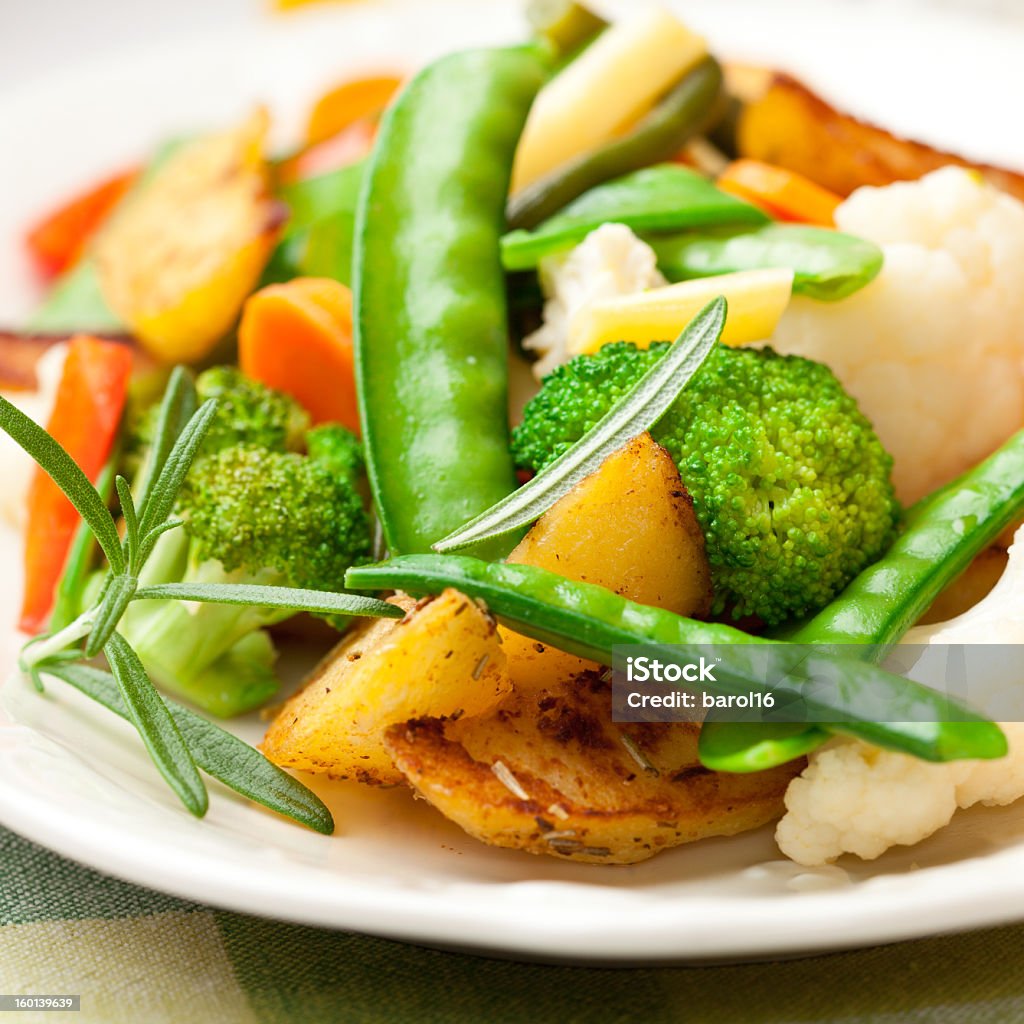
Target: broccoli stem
[[216, 656]]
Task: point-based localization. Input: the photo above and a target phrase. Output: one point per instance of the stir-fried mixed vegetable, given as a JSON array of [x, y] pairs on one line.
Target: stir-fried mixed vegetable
[[288, 387]]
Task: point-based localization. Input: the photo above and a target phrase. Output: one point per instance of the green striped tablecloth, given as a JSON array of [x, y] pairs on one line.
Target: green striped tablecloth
[[139, 957]]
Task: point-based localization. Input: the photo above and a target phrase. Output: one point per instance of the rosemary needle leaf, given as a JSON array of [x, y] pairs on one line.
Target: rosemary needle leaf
[[79, 562], [637, 411], [164, 490], [117, 595], [177, 408], [148, 713], [131, 522], [67, 475], [225, 757], [148, 542], [319, 602]]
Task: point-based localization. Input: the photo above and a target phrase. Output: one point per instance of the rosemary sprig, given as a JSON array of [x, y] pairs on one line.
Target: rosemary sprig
[[638, 410], [227, 758], [177, 740], [149, 714]]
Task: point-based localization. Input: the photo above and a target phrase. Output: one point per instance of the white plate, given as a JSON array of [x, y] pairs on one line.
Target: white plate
[[74, 779]]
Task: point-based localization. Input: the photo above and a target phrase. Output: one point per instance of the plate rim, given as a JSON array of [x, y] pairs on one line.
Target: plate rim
[[428, 916], [418, 915]]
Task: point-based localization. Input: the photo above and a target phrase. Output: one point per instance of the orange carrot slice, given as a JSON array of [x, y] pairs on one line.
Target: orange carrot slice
[[342, 106], [784, 194], [297, 337]]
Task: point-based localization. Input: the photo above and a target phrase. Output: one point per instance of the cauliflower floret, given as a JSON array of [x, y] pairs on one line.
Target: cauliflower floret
[[855, 798], [15, 466], [939, 334], [609, 262]]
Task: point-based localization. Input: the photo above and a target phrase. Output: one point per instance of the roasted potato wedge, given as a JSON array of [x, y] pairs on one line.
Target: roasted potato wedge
[[791, 126], [444, 659], [178, 260], [629, 527], [550, 772]]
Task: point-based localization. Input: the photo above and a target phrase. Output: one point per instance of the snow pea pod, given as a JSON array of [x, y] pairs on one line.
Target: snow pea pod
[[430, 322], [827, 265], [666, 197], [685, 111], [943, 533], [317, 241], [590, 621], [756, 746]]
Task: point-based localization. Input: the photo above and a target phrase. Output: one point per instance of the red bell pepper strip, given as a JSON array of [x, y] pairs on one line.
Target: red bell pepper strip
[[85, 419], [56, 241]]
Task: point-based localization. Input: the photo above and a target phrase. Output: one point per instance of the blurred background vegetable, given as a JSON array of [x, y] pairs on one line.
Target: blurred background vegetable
[[178, 260], [600, 92], [664, 197], [58, 240]]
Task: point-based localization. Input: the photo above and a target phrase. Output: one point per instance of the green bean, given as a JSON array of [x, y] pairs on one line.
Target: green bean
[[666, 197], [590, 621], [431, 333], [827, 265], [684, 112], [943, 533], [564, 24]]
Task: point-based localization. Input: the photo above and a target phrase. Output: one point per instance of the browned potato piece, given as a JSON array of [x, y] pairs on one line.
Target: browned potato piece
[[629, 527], [178, 260], [793, 127], [550, 772], [968, 588], [443, 659]]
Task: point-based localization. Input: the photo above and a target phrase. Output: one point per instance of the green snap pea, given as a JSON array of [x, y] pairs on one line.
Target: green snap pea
[[827, 265], [590, 621], [431, 333], [684, 112], [944, 533], [666, 197], [756, 746]]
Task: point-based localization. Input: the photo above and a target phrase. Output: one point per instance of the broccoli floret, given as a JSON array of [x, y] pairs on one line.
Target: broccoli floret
[[338, 449], [790, 484], [247, 413], [255, 512], [250, 413]]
